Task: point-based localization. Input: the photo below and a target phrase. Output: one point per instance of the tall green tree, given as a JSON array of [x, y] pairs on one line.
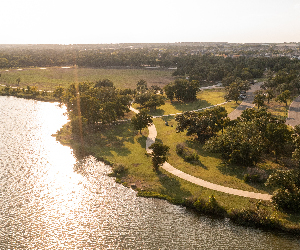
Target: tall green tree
[[287, 195], [159, 154], [284, 97], [259, 99], [241, 144], [233, 90], [204, 124], [141, 120], [182, 90], [141, 86], [96, 104]]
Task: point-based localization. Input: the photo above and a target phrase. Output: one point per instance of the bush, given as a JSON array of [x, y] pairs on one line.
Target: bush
[[287, 195], [186, 154], [287, 200], [119, 169], [255, 175], [254, 216], [211, 207]]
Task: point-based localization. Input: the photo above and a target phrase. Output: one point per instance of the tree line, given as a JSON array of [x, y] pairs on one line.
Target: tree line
[[200, 67], [247, 141]]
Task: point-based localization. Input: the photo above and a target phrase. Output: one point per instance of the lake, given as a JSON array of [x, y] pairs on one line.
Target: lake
[[49, 200]]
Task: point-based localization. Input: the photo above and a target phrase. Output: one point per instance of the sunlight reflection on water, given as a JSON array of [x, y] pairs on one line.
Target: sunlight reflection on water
[[50, 201]]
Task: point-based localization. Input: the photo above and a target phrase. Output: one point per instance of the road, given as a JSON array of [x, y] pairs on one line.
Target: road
[[247, 103], [294, 113]]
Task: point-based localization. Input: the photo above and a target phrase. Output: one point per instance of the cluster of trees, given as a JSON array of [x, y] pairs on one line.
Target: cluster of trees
[[204, 124], [254, 133], [214, 68], [148, 98], [246, 141], [182, 90], [234, 89], [92, 103], [30, 92], [281, 86]]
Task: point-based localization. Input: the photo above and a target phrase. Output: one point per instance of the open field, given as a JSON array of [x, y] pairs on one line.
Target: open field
[[50, 78]]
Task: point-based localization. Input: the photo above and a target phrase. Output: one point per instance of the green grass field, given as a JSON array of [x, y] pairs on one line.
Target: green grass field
[[50, 78]]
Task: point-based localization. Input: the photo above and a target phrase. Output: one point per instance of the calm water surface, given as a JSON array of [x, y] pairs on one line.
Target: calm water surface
[[50, 201]]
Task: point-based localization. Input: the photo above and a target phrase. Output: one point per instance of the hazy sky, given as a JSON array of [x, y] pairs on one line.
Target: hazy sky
[[126, 21]]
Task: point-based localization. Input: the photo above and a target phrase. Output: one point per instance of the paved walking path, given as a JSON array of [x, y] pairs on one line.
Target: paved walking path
[[166, 166]]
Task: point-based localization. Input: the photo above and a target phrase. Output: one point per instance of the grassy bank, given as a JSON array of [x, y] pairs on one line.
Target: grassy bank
[[124, 148]]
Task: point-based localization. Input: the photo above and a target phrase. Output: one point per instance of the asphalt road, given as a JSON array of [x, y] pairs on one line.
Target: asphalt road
[[294, 113], [247, 103]]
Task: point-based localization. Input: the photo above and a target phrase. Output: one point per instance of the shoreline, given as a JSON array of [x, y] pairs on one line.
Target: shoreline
[[200, 205], [254, 216]]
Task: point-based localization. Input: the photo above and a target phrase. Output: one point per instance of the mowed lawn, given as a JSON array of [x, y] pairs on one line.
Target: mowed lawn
[[50, 78]]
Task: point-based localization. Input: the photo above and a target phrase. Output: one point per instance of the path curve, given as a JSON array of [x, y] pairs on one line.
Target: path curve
[[169, 168]]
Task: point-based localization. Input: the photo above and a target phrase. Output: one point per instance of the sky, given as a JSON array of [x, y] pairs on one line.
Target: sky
[[144, 21]]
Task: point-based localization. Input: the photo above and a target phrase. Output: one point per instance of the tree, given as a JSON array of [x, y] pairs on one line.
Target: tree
[[284, 97], [277, 135], [241, 144], [104, 83], [269, 94], [149, 100], [287, 196], [233, 92], [155, 101], [296, 83], [141, 86], [259, 99], [182, 90], [141, 120], [59, 92], [296, 143], [204, 124], [159, 154], [18, 80]]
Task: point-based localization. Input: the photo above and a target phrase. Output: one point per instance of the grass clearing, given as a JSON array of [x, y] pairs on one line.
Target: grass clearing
[[278, 109], [50, 78], [205, 99], [210, 168]]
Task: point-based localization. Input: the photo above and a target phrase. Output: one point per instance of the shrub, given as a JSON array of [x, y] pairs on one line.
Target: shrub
[[119, 169], [254, 216], [255, 175], [186, 154], [211, 207], [287, 195]]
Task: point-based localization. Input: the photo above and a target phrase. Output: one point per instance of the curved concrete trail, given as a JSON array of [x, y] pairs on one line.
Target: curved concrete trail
[[169, 168]]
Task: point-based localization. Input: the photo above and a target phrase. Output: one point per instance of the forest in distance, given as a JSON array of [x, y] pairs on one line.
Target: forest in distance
[[193, 66]]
